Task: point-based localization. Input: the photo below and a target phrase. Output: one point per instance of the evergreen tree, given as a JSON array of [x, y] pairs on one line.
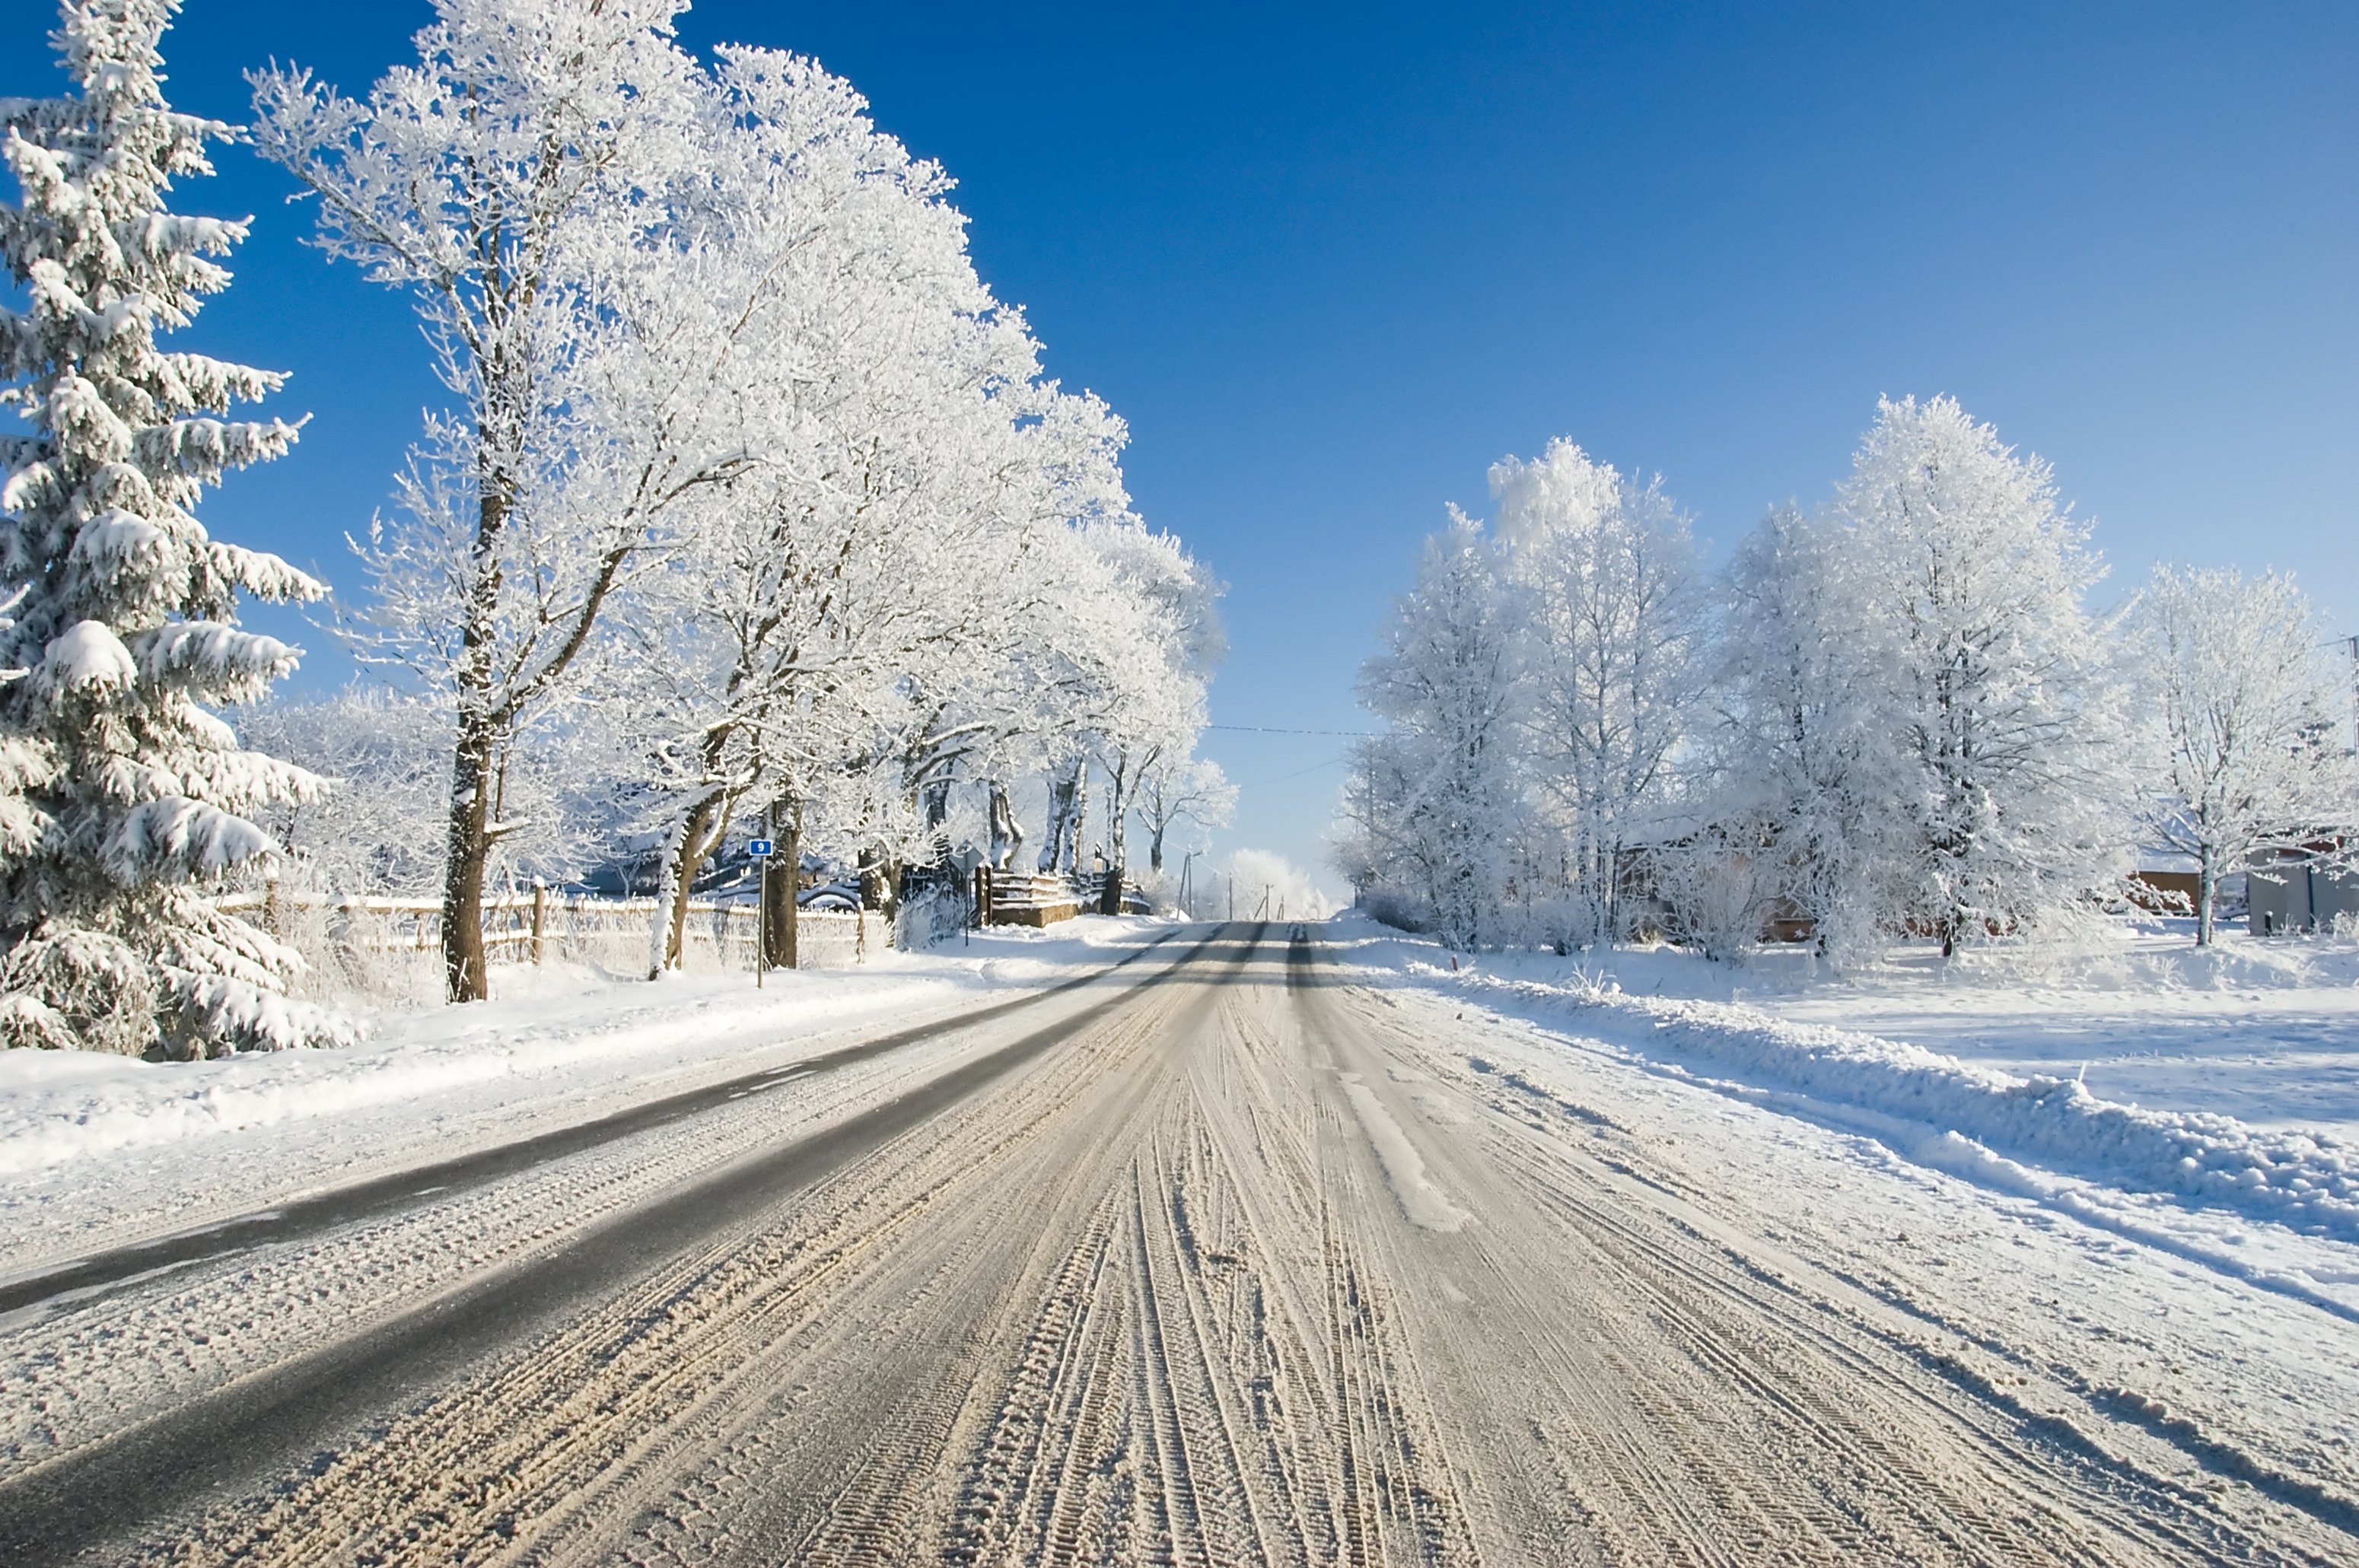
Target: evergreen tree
[[128, 799]]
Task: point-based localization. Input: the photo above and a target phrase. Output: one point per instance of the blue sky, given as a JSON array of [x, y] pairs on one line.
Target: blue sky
[[1332, 263]]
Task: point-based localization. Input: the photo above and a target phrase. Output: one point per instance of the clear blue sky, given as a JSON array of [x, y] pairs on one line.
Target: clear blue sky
[[1331, 265]]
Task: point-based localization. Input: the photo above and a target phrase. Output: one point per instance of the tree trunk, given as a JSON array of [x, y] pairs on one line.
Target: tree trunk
[[659, 922], [1006, 833], [698, 836], [785, 873], [1055, 852], [1155, 850], [2207, 887], [467, 849], [1118, 811]]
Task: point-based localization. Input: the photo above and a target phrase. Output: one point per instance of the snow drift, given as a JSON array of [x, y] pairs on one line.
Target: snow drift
[[2308, 1181]]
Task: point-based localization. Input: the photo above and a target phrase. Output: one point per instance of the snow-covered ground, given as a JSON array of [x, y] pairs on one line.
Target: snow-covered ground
[[2205, 1104], [1666, 1186], [2266, 1031], [101, 1149]]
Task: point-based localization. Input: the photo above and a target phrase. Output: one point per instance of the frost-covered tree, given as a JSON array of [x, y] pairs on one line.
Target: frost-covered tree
[[1444, 789], [2244, 719], [1182, 789], [533, 183], [129, 801], [1264, 886], [385, 762], [927, 573], [1612, 615], [1970, 581], [1803, 761]]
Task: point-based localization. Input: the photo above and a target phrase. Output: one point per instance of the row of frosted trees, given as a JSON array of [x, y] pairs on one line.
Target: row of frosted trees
[[751, 511], [1899, 716]]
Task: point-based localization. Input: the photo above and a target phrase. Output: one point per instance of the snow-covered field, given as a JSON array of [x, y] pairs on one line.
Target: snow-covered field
[[99, 1149], [2207, 1105], [2266, 1031]]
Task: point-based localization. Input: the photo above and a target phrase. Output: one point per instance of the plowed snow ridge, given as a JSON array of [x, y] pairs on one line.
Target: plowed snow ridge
[[2307, 1181]]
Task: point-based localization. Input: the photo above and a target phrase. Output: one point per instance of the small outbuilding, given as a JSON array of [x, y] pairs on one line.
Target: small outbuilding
[[2300, 891]]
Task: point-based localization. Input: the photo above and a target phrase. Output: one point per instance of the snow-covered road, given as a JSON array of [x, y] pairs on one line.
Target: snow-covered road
[[1243, 1254]]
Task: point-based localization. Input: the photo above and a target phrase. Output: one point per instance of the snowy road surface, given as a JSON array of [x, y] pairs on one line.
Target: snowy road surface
[[1228, 1257]]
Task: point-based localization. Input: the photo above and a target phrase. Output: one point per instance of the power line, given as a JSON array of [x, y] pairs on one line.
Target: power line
[[1273, 729], [1317, 767]]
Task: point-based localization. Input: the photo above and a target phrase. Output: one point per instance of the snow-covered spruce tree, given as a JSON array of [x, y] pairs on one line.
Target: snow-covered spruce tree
[[129, 800], [1990, 676], [2243, 718]]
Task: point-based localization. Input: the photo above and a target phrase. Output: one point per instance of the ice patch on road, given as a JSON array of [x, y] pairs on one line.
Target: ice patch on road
[[1420, 1200]]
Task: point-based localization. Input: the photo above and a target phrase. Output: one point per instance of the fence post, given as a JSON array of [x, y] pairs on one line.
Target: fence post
[[539, 915]]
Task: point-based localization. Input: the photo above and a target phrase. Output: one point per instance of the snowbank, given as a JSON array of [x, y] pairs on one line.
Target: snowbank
[[558, 1032], [2307, 1181]]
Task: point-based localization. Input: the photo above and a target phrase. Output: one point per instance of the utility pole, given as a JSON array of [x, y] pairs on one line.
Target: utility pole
[[2353, 644]]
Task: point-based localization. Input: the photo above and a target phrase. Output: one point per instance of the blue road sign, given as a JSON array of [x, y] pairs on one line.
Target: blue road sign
[[757, 848]]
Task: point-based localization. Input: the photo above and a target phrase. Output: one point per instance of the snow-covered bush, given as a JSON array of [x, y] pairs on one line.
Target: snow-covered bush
[[1719, 894], [131, 803]]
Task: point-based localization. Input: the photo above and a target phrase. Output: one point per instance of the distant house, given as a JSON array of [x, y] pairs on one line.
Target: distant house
[[2166, 882], [2299, 889]]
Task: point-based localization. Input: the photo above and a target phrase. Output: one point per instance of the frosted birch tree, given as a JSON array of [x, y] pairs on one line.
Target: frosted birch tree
[[387, 768], [1447, 794], [1803, 758], [1173, 790], [1613, 617], [128, 800], [927, 555], [2244, 719]]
